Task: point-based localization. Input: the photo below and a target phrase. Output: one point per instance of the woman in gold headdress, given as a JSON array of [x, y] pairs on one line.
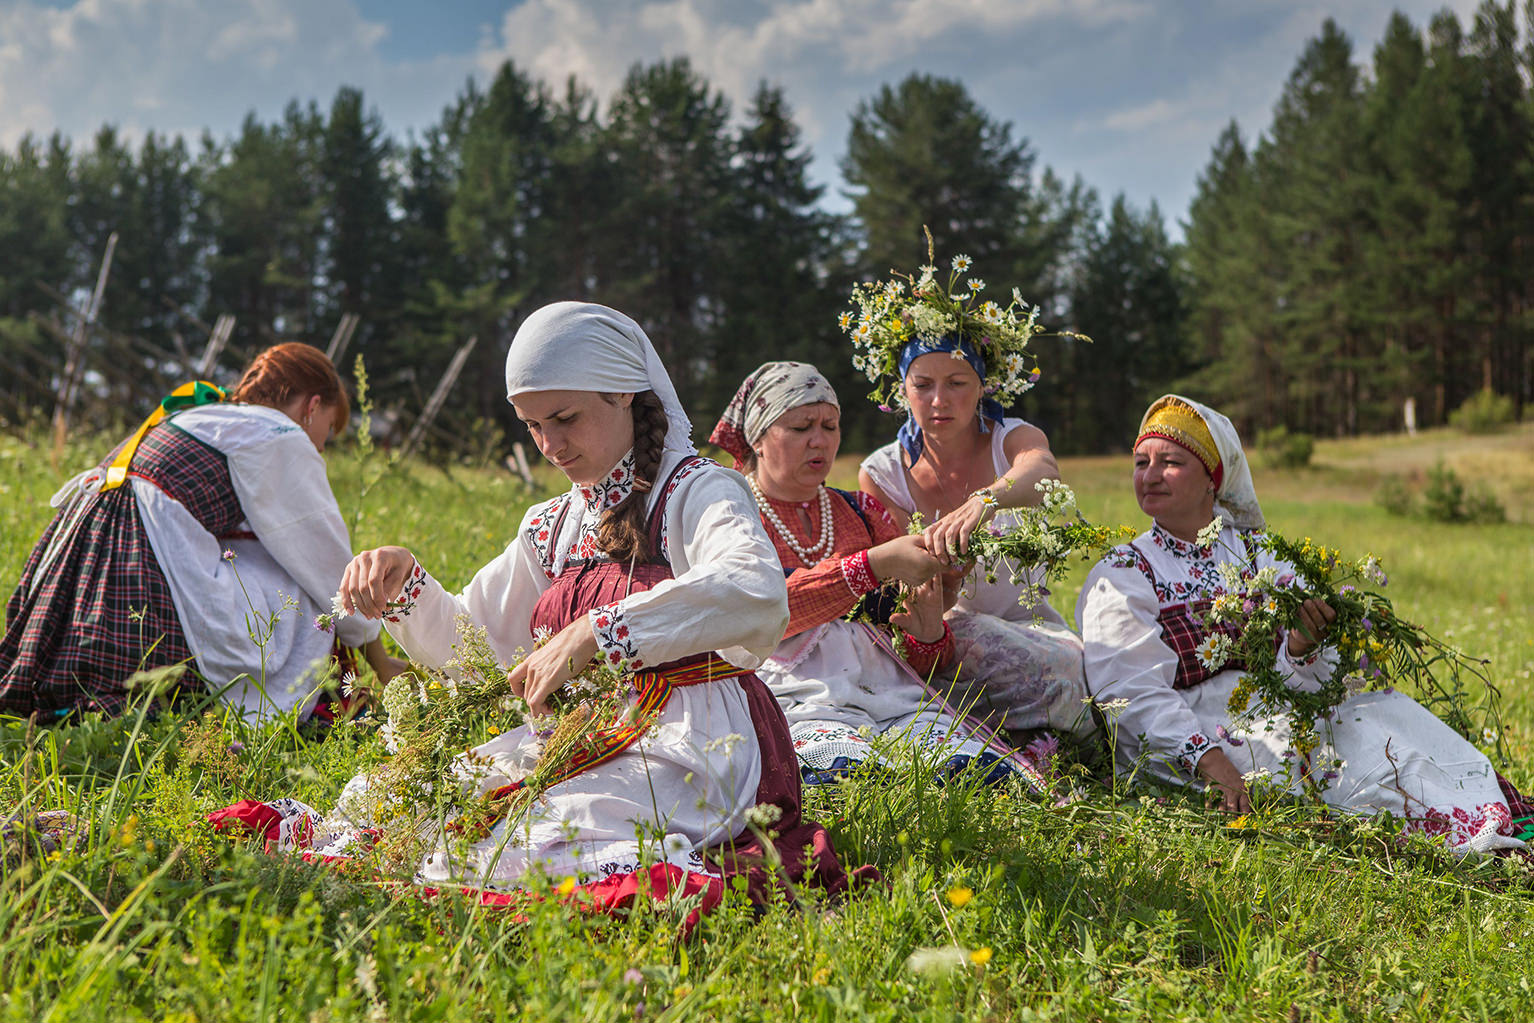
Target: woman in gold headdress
[[1166, 688]]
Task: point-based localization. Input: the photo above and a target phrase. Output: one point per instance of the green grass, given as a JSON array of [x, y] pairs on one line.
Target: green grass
[[1117, 907]]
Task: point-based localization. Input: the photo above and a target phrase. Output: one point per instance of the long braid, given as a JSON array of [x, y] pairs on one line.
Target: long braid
[[621, 532]]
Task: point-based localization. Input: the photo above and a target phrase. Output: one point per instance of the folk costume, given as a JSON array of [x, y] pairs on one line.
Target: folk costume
[[691, 624], [1142, 618], [213, 516], [1016, 664], [839, 682]]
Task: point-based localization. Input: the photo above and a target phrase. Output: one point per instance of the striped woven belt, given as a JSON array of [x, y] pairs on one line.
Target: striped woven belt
[[652, 689]]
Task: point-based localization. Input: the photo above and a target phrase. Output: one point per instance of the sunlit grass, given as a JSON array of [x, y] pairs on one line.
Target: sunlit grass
[[1117, 907]]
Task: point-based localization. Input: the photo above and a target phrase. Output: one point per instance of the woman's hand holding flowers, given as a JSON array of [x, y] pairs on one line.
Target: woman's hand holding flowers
[[553, 664], [1316, 617], [1217, 769], [948, 538], [904, 560], [374, 578], [922, 618]]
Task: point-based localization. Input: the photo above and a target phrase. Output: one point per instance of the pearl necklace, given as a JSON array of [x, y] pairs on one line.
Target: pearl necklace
[[814, 553]]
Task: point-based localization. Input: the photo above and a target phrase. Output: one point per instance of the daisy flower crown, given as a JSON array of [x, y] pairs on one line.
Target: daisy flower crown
[[919, 308]]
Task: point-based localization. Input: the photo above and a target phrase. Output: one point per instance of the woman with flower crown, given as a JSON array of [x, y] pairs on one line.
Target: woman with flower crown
[[1161, 675], [841, 682], [954, 362], [653, 563]]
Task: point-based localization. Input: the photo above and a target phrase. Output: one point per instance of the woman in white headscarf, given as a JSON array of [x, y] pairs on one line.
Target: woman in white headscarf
[[653, 562], [1147, 657]]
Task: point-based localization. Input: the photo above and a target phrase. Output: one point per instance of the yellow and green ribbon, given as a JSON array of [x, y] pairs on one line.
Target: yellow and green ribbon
[[188, 395]]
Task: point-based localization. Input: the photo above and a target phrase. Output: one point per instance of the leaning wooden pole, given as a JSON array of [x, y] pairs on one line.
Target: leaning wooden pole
[[74, 357], [342, 337], [438, 397]]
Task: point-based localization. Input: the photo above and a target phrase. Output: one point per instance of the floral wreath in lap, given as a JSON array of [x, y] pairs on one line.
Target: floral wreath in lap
[[909, 316]]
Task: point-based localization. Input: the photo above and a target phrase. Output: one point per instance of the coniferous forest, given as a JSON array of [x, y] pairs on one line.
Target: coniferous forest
[[1374, 243]]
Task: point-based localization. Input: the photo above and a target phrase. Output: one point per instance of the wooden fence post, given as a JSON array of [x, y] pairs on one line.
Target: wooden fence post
[[438, 397], [74, 359]]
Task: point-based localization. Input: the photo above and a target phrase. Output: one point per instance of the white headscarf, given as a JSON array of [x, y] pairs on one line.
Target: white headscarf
[[581, 346], [1237, 498]]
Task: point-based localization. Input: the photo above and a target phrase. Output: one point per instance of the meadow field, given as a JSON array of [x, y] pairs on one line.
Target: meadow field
[[1120, 905]]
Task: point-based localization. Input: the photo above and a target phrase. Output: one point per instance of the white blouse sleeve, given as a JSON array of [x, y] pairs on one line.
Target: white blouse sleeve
[[1126, 659], [499, 599], [280, 481], [728, 592]]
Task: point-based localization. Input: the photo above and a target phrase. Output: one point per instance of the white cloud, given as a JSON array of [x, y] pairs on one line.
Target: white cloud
[[735, 45], [1146, 115], [178, 66]]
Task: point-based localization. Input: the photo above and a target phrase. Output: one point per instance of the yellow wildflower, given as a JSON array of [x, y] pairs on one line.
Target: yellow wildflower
[[566, 886], [821, 977], [960, 897], [980, 956]]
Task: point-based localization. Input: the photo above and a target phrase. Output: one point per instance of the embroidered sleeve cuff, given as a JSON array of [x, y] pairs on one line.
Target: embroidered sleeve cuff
[[860, 578], [400, 607], [615, 641], [933, 650], [1192, 751]]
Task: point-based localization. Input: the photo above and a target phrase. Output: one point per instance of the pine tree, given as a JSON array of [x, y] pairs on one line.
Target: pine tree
[[924, 153]]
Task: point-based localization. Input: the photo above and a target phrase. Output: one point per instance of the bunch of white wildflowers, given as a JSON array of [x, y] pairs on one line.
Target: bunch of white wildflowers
[[435, 717], [1371, 646], [921, 307], [1041, 541]]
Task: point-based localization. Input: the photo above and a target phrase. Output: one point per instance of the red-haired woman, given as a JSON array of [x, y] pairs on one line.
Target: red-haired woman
[[209, 529]]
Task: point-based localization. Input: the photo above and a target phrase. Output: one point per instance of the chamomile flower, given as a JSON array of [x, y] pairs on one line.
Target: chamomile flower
[[961, 264]]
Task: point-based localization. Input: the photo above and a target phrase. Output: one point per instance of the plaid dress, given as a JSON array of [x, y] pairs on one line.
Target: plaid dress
[[102, 610]]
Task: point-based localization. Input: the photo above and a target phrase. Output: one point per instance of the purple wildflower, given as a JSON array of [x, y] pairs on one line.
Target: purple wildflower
[[1033, 377], [1288, 754], [1368, 625], [1329, 775], [885, 408], [1347, 588], [1388, 689], [323, 622], [228, 554], [236, 747], [633, 976], [1286, 579], [1042, 750], [1247, 607], [1222, 734], [1363, 662]]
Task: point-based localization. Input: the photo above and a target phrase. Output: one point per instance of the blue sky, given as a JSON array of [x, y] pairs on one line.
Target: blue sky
[[1129, 94]]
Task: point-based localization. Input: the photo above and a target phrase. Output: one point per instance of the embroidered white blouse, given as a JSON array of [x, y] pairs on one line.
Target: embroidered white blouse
[[728, 593], [1126, 658]]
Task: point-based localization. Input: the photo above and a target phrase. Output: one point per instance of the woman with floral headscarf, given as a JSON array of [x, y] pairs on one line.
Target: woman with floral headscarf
[[842, 683], [1150, 664], [961, 464]]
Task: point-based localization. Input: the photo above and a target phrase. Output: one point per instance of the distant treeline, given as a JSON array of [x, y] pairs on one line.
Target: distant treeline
[[1375, 244]]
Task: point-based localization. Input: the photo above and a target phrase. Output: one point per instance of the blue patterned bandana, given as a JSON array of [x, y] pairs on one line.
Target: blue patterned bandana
[[990, 409]]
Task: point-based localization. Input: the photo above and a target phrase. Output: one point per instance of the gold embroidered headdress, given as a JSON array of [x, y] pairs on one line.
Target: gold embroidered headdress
[[1175, 420]]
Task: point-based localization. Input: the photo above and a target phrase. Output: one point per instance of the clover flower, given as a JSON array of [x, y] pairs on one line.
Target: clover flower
[[764, 815]]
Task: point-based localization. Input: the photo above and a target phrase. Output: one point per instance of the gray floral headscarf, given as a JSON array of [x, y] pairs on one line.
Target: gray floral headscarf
[[772, 389]]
